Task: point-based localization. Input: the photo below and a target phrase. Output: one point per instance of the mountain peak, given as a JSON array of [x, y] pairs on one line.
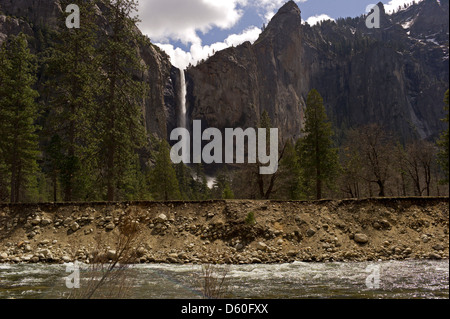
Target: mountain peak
[[290, 7], [287, 17]]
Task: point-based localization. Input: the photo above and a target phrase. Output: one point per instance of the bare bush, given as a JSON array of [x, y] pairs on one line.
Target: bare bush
[[213, 281], [109, 274]]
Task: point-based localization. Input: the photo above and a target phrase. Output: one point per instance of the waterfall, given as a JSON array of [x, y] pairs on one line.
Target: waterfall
[[182, 104]]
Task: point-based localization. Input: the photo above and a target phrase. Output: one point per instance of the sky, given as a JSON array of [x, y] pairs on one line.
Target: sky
[[190, 30]]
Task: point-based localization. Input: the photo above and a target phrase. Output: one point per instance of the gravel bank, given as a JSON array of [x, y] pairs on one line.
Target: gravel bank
[[233, 232]]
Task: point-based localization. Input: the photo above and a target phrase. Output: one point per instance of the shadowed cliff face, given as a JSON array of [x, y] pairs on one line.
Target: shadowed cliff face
[[235, 85], [36, 11], [395, 76]]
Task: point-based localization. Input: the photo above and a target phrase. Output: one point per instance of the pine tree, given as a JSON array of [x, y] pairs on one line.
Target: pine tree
[[199, 184], [53, 163], [120, 123], [290, 174], [444, 143], [4, 177], [134, 184], [318, 157], [227, 192], [163, 179], [18, 114], [73, 84], [222, 185], [184, 181]]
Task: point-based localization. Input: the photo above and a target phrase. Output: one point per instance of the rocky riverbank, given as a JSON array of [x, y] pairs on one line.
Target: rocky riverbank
[[234, 232]]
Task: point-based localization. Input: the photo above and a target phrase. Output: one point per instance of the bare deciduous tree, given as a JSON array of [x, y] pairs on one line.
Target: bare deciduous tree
[[375, 150], [417, 161]]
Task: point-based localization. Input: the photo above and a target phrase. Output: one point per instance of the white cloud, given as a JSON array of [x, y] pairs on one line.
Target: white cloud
[[181, 20], [318, 18], [181, 58]]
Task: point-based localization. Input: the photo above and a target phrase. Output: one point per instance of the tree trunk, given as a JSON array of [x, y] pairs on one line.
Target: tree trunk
[[55, 188], [13, 184], [381, 186]]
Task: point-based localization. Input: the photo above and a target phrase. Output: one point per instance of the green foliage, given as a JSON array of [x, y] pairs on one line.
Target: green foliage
[[120, 125], [318, 158], [222, 186], [199, 184], [184, 181], [250, 219], [72, 69], [134, 185], [163, 179], [227, 192], [4, 185], [18, 114], [290, 174], [443, 143]]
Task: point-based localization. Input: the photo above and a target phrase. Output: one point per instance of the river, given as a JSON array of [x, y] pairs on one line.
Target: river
[[382, 280]]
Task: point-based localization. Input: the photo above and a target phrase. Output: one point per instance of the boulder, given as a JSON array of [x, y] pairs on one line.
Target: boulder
[[438, 247], [111, 254], [141, 251], [361, 238], [261, 246], [434, 256], [36, 221], [161, 218], [66, 259], [74, 226], [46, 221], [34, 259], [310, 232]]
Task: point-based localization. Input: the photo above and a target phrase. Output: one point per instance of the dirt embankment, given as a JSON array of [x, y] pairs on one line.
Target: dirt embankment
[[226, 232]]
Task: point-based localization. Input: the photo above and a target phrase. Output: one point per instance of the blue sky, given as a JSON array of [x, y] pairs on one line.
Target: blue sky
[[189, 30]]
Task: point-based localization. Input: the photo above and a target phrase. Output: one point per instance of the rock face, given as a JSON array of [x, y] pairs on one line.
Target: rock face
[[37, 11], [235, 85], [395, 76]]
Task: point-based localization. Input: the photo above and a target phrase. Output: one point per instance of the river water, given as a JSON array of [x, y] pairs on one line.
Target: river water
[[381, 280]]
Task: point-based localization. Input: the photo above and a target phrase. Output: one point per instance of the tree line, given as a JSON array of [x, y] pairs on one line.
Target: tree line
[[83, 138], [77, 133], [371, 162]]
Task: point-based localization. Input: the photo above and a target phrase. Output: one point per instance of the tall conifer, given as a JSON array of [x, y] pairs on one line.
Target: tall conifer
[[318, 158], [18, 114]]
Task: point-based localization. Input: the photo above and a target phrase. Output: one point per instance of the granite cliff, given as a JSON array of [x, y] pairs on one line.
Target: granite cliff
[[395, 76]]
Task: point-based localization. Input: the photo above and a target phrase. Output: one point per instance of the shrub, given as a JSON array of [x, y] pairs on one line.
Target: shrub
[[250, 219]]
